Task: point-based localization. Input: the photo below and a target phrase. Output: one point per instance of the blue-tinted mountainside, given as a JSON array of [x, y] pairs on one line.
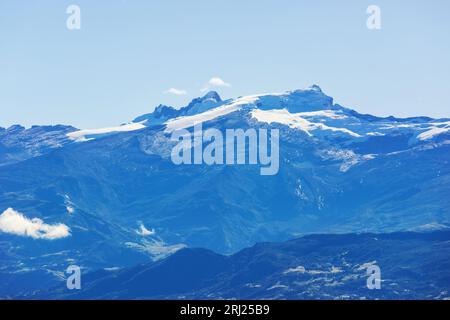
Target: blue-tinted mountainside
[[18, 144], [413, 266], [112, 197]]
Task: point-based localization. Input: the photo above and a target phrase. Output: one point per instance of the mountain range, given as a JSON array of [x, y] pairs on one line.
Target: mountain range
[[310, 267], [112, 198]]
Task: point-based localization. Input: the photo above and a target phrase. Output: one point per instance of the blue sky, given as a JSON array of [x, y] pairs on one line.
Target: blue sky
[[128, 53]]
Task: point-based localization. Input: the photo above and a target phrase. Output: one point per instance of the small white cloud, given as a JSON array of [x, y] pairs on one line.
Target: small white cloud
[[16, 223], [143, 231], [70, 209], [215, 82], [177, 92]]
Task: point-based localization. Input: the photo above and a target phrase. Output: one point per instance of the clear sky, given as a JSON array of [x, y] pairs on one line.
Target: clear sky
[[127, 54]]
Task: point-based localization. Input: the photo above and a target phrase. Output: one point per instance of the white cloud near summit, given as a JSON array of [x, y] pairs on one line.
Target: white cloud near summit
[[215, 82], [177, 92], [14, 222]]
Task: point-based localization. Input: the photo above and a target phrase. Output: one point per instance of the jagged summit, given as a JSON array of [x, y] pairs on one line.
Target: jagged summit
[[198, 105], [161, 113], [309, 109], [165, 111], [314, 87], [15, 128], [310, 99], [212, 96], [202, 104]]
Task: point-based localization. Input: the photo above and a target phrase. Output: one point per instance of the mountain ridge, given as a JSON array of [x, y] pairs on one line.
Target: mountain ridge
[[339, 173], [310, 267]]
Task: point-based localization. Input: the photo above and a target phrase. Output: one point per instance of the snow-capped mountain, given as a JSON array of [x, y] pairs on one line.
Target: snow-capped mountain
[[124, 201], [309, 110]]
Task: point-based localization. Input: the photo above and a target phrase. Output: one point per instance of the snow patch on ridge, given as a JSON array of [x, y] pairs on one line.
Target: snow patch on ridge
[[84, 135], [348, 157], [295, 120], [143, 231], [157, 249], [332, 114], [437, 129], [190, 121]]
